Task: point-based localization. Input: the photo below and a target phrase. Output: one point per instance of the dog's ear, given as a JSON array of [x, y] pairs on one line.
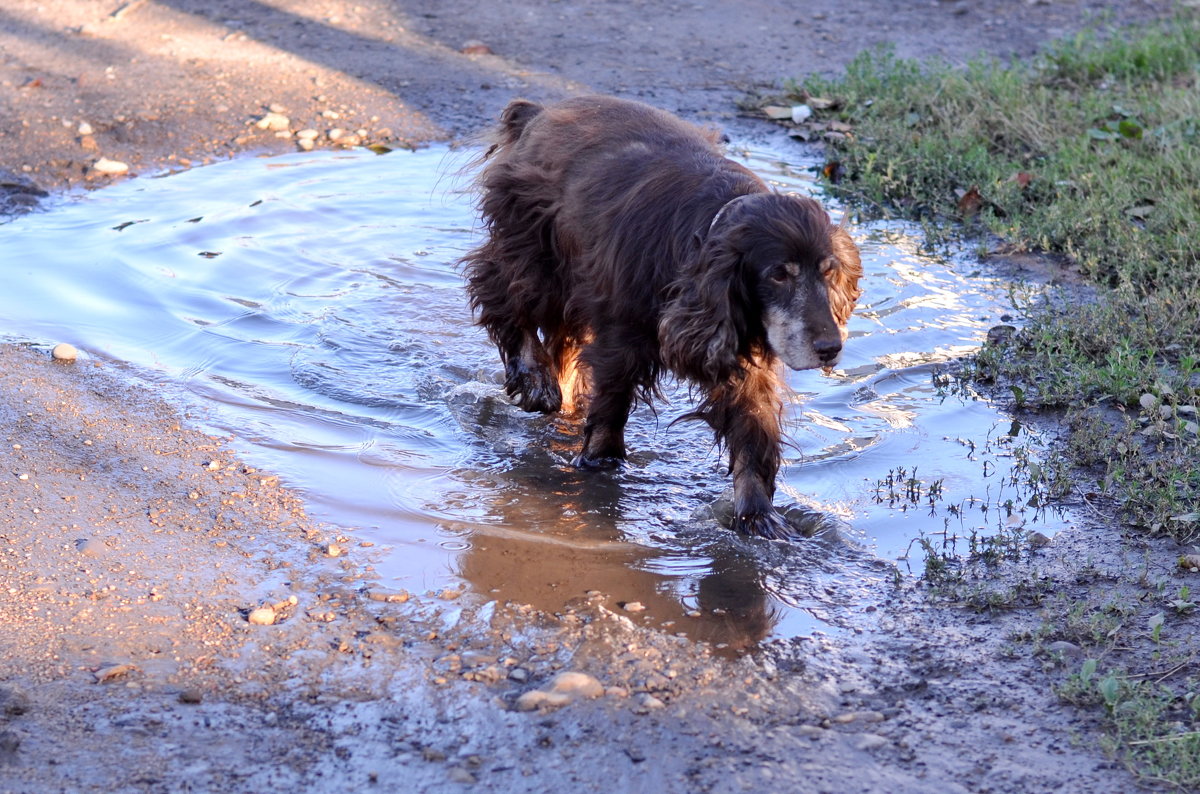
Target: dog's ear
[[842, 279], [702, 324]]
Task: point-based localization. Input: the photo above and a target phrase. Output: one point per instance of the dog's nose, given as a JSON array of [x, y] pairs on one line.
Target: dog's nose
[[827, 349]]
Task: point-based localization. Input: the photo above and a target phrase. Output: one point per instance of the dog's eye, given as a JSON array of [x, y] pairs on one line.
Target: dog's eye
[[779, 275]]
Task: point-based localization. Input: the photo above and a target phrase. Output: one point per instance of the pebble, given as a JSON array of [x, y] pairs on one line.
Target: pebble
[[275, 122], [13, 702], [634, 606], [870, 741], [333, 550], [536, 699], [335, 133], [85, 128], [308, 134], [305, 144], [572, 683], [460, 775], [191, 695], [263, 616], [64, 351], [647, 702], [88, 547], [110, 167], [857, 716], [519, 675]]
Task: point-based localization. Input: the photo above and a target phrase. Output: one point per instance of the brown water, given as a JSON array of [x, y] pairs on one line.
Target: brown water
[[308, 305]]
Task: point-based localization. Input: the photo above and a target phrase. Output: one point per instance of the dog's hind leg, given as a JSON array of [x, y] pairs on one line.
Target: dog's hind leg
[[530, 376]]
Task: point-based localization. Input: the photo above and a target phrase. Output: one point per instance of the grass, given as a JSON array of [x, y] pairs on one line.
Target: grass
[[1090, 155], [1090, 152]]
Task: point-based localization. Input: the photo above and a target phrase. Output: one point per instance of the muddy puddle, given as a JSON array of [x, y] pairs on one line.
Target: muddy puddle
[[308, 306]]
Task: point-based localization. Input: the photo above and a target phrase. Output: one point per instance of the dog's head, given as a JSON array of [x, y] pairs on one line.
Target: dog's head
[[773, 270]]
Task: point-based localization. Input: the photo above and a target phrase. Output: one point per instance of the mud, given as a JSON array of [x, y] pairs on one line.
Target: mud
[[132, 548]]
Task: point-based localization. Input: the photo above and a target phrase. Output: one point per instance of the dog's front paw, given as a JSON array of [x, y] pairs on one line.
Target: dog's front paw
[[532, 389], [597, 462], [767, 524]]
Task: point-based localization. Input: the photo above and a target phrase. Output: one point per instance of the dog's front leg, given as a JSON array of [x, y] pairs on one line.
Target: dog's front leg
[[747, 417]]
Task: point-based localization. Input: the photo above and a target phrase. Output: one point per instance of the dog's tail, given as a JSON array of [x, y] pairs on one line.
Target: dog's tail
[[513, 119]]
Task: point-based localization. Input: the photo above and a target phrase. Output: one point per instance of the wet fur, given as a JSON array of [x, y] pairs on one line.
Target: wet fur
[[621, 240]]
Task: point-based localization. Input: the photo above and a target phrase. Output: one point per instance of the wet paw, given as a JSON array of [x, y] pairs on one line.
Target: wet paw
[[598, 462], [532, 389], [765, 524]]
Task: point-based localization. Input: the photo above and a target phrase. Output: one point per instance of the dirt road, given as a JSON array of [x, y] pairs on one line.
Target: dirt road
[[134, 551]]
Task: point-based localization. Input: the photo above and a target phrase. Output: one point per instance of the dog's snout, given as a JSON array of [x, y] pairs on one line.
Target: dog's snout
[[827, 349]]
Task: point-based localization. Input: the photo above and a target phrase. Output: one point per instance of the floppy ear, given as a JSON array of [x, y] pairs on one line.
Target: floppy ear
[[702, 323], [842, 278]]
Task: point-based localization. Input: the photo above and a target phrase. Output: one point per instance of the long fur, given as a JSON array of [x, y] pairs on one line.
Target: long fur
[[621, 245]]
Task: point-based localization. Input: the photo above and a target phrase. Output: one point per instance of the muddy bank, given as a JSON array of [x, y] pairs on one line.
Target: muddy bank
[[135, 549]]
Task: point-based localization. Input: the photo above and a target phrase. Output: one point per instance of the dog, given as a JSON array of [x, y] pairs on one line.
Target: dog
[[622, 247]]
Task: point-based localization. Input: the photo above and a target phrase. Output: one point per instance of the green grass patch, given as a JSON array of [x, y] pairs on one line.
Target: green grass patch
[[1090, 151]]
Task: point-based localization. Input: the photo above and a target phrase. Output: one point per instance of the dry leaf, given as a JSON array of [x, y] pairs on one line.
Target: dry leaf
[[778, 113], [1022, 178], [969, 201]]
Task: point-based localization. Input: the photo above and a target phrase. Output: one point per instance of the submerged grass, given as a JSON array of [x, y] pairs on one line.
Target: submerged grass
[[1090, 154]]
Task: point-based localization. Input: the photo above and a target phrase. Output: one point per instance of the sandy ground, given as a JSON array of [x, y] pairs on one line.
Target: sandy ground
[[133, 549]]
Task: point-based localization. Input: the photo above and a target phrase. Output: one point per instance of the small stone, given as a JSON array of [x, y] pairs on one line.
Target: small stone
[[308, 134], [333, 550], [106, 674], [305, 144], [191, 695], [1038, 540], [13, 702], [633, 606], [275, 107], [263, 616], [274, 122], [475, 47], [330, 114], [519, 674], [349, 140], [85, 128], [110, 167], [335, 133], [88, 547], [857, 716], [649, 702], [64, 351], [577, 684], [460, 775], [870, 741]]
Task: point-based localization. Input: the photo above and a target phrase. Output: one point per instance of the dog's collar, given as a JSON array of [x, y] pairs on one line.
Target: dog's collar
[[724, 208]]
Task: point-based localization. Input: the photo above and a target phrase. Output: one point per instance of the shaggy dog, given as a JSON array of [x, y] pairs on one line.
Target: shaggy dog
[[622, 245]]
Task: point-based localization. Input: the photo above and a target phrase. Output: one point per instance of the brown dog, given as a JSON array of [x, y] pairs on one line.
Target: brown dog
[[620, 238]]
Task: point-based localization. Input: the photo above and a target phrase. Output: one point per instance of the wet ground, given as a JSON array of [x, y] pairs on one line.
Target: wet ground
[[299, 326]]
